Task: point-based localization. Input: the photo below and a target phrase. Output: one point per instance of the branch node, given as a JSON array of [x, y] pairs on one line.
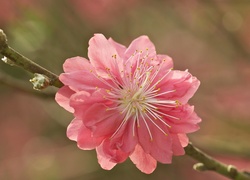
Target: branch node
[[200, 167], [40, 81], [232, 170]]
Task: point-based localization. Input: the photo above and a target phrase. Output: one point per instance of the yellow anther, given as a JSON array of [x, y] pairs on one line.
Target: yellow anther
[[114, 56], [178, 103]]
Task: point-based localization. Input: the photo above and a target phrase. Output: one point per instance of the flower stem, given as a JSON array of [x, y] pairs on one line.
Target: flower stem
[[26, 63], [209, 163]]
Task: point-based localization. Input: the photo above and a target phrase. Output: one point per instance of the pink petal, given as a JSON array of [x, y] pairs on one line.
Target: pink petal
[[104, 57], [143, 161], [183, 139], [77, 64], [119, 47], [82, 100], [184, 84], [143, 44], [62, 98], [86, 141], [167, 63], [160, 147], [187, 122], [125, 139], [177, 146], [111, 153], [73, 129], [104, 162], [81, 80], [103, 123]]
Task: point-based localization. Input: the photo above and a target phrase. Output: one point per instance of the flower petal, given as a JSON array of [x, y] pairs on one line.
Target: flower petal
[[177, 146], [82, 100], [184, 84], [86, 141], [187, 122], [82, 80], [76, 64], [143, 44], [103, 123], [104, 162], [160, 147], [109, 155], [125, 139], [183, 139], [73, 129], [104, 57], [62, 98], [167, 63], [142, 160], [119, 47]]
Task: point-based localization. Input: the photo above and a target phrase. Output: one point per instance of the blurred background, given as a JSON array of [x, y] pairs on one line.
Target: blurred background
[[210, 38]]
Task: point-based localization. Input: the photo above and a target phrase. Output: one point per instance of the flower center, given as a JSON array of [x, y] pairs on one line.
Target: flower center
[[137, 97]]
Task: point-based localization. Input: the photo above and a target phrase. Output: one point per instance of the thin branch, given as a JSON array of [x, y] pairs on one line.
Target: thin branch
[[209, 163], [26, 63]]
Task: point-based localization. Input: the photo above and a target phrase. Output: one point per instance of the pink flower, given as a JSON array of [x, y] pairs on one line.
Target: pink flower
[[128, 102]]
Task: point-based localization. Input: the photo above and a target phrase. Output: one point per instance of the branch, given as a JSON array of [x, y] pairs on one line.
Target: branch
[[26, 63], [208, 163]]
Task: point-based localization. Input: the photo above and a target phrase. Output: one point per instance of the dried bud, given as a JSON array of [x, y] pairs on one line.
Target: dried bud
[[40, 81]]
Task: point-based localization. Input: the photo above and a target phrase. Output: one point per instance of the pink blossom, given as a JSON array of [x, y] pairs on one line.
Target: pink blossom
[[128, 102]]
